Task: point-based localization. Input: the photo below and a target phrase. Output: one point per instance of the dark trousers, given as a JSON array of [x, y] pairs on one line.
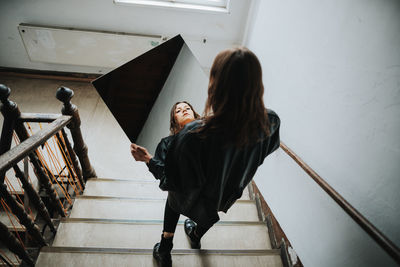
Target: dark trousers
[[171, 220]]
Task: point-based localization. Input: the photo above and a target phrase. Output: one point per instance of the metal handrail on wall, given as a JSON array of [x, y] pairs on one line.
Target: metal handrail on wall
[[372, 231]]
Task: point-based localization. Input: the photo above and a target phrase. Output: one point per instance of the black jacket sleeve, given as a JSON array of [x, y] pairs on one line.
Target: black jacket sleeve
[[157, 162]]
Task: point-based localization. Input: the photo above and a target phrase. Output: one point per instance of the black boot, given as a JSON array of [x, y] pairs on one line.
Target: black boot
[[162, 252], [190, 227]]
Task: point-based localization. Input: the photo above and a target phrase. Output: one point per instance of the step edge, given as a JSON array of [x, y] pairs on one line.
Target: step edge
[[103, 250], [153, 181], [128, 221], [139, 199]]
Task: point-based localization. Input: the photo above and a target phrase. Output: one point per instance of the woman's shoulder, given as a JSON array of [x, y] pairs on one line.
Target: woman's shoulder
[[272, 114], [167, 139], [273, 119], [188, 135], [191, 126]]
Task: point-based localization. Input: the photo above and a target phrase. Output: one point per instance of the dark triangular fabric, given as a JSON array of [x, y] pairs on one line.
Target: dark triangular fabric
[[130, 90]]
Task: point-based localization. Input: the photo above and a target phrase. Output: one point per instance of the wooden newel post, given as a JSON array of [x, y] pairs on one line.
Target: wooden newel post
[[65, 94], [11, 113]]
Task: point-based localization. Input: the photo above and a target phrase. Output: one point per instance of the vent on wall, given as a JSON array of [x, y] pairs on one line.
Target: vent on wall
[[83, 47]]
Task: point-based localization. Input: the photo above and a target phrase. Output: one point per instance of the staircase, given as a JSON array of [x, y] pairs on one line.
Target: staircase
[[117, 222]]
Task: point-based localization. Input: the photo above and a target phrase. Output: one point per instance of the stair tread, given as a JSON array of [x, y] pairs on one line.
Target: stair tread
[[109, 257], [132, 209], [83, 233], [16, 187], [5, 219], [123, 188], [130, 188], [9, 256]]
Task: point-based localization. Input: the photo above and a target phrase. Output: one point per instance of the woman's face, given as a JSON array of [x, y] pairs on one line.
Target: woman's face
[[183, 114]]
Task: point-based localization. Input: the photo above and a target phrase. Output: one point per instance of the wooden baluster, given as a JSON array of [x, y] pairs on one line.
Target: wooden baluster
[[65, 94], [44, 179], [74, 159], [34, 198], [22, 216], [61, 146], [68, 148], [12, 243], [11, 110]]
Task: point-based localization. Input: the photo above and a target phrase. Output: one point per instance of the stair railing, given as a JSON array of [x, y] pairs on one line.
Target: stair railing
[[9, 157], [65, 94], [368, 227]]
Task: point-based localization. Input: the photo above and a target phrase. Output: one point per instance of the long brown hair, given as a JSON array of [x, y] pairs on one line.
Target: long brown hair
[[235, 105], [174, 126]]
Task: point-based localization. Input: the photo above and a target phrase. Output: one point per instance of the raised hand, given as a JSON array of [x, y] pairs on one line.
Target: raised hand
[[140, 153]]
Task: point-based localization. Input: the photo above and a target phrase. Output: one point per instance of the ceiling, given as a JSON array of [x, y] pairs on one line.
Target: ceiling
[[206, 33]]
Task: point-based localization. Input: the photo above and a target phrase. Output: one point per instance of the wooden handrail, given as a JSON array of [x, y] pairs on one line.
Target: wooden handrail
[[17, 153], [38, 117], [372, 231]]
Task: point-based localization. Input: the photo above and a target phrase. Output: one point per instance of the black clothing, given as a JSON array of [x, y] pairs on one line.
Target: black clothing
[[157, 163], [202, 176], [171, 218], [200, 231], [162, 252]]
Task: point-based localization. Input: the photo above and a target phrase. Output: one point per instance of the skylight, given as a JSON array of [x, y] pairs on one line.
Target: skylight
[[200, 5]]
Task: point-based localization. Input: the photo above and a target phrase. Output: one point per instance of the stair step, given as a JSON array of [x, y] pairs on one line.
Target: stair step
[[124, 188], [5, 219], [147, 209], [9, 256], [14, 184], [130, 188], [144, 234], [77, 257]]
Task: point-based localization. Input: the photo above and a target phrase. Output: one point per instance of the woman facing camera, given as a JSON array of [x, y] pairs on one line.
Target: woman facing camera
[[207, 163]]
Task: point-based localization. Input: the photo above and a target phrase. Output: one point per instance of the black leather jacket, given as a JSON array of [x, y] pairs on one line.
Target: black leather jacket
[[204, 177]]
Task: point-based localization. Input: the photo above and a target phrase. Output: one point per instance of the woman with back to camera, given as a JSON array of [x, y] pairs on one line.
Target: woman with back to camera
[[210, 161]]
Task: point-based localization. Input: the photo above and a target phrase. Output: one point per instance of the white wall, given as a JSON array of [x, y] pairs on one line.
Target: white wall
[[332, 73], [186, 82], [220, 30]]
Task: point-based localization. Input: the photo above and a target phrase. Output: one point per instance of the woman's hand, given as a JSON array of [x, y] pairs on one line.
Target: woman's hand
[[140, 153]]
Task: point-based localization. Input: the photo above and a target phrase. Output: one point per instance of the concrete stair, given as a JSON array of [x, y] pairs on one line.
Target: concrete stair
[[143, 234], [117, 222], [10, 221], [9, 256], [130, 188], [147, 209], [64, 256]]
